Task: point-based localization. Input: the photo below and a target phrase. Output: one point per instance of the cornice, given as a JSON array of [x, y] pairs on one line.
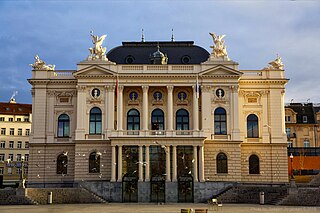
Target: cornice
[[263, 81]]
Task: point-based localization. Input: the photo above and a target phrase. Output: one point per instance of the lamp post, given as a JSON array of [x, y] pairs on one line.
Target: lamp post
[[291, 161], [22, 179]]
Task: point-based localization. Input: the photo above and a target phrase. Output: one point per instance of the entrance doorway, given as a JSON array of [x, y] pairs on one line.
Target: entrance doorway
[[130, 188], [185, 189], [158, 185]]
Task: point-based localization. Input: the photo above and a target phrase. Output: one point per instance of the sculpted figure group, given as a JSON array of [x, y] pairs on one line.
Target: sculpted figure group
[[219, 49], [97, 51], [41, 65]]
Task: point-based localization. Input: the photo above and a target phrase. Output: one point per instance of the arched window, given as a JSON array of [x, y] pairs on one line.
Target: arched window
[[220, 121], [222, 163], [94, 162], [157, 119], [95, 121], [254, 167], [63, 126], [182, 119], [252, 126], [133, 121], [62, 164]]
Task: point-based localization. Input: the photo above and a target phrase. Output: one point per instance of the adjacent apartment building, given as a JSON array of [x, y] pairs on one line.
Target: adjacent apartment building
[[161, 121], [15, 126], [303, 136]]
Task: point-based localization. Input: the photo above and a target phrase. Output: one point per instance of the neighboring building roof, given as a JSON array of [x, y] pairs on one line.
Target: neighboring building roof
[[305, 109], [178, 52], [15, 109]]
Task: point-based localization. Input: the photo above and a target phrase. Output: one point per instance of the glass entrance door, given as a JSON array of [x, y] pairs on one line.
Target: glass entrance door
[[130, 188], [185, 189]]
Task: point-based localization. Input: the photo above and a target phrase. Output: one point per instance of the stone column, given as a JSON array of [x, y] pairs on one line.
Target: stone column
[[265, 118], [235, 132], [195, 163], [174, 163], [147, 178], [110, 108], [168, 176], [120, 108], [113, 164], [106, 114], [81, 112], [51, 117], [119, 163], [201, 164], [206, 111], [170, 108], [145, 107], [195, 110], [140, 164]]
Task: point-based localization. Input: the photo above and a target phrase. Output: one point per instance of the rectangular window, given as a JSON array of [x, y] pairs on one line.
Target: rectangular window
[[289, 118], [3, 144], [19, 131], [306, 143], [3, 131], [290, 144], [288, 131], [18, 171], [11, 119], [19, 145], [26, 119], [26, 145], [10, 157], [1, 170], [18, 157], [27, 132], [9, 171], [19, 119], [305, 119], [11, 131], [1, 118], [26, 157], [1, 157], [25, 170], [11, 144]]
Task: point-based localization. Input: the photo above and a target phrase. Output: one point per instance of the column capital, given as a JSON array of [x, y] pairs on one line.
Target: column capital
[[120, 88], [111, 88], [206, 88], [145, 88], [170, 88], [81, 88]]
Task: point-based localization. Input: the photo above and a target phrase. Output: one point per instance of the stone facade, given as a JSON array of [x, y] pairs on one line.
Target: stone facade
[[165, 127]]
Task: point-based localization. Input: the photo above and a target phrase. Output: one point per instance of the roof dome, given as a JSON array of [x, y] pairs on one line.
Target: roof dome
[[158, 57]]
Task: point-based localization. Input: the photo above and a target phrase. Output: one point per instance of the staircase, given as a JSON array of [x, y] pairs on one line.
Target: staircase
[[251, 194], [98, 198]]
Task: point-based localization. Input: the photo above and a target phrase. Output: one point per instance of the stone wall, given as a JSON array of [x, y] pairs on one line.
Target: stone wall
[[10, 197], [62, 195], [251, 194], [303, 197], [110, 191]]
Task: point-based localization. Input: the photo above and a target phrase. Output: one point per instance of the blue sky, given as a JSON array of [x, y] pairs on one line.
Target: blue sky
[[256, 31]]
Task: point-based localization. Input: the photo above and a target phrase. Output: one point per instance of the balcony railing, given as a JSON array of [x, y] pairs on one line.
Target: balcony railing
[[156, 133]]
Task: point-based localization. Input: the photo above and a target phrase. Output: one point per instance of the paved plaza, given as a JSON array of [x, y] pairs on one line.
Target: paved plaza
[[150, 208]]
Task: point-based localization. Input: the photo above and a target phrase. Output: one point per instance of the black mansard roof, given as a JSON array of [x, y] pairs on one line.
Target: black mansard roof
[[178, 52]]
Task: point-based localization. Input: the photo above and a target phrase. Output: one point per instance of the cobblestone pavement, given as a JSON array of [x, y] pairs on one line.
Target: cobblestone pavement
[[150, 208]]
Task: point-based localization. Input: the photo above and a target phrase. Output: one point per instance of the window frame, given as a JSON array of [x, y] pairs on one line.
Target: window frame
[[222, 163], [155, 123], [219, 121], [95, 118], [252, 126], [132, 123], [180, 125], [62, 164], [254, 164], [94, 162], [63, 130]]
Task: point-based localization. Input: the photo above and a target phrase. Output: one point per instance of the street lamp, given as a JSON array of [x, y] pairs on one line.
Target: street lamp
[[22, 179], [291, 159]]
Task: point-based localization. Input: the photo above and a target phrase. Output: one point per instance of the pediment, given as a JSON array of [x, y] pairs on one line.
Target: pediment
[[94, 70], [220, 70]]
